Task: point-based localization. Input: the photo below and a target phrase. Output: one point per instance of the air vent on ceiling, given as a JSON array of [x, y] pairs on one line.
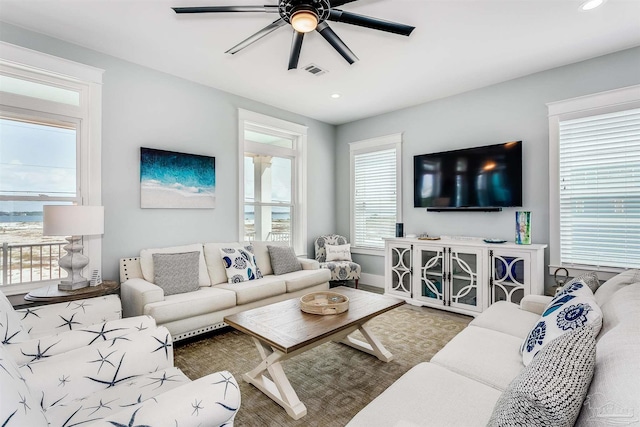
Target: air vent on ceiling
[[314, 69]]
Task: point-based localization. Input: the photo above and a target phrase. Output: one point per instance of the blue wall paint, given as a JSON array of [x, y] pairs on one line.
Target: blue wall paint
[[146, 108], [512, 110]]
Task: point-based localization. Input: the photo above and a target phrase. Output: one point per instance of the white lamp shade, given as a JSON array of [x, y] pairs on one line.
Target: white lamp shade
[[73, 220]]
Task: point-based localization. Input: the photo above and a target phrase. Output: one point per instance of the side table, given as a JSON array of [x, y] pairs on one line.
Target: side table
[[51, 294]]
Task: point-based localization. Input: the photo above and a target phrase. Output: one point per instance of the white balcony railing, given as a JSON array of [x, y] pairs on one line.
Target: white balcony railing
[[31, 262]]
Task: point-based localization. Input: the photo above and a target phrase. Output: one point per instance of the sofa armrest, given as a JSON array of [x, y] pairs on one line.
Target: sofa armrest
[[136, 294], [51, 345], [535, 303], [309, 264], [212, 400], [55, 318], [87, 370]]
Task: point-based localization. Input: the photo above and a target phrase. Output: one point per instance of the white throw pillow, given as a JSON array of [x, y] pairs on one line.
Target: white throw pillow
[[240, 264], [571, 309], [338, 252]]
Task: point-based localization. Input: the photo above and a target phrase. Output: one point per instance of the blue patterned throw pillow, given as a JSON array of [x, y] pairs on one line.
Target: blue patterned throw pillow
[[255, 262], [240, 264], [569, 310]]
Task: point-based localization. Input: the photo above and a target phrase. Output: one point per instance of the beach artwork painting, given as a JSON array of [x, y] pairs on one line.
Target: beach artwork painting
[[176, 180]]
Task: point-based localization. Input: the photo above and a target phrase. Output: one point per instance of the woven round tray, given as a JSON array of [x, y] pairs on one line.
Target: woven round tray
[[324, 302]]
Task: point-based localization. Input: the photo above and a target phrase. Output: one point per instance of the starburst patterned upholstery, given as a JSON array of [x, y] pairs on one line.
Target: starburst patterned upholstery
[[118, 372], [126, 380], [340, 270]]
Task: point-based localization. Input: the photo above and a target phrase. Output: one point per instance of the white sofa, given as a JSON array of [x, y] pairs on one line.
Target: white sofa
[[56, 370], [191, 313], [462, 383]]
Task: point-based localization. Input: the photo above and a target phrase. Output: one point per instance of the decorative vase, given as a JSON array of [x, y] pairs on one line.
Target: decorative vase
[[523, 227]]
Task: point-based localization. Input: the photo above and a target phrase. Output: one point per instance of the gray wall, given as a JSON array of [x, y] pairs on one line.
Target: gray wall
[[144, 107], [513, 110]]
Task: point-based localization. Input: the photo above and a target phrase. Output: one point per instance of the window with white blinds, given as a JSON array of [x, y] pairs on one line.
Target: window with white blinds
[[375, 191], [599, 190]]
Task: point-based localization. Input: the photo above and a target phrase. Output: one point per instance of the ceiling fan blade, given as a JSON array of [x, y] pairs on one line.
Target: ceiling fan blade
[[257, 36], [369, 22], [296, 47], [338, 3], [218, 9], [336, 42]]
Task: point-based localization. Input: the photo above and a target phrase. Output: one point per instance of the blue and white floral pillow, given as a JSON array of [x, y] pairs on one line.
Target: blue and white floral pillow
[[240, 264], [572, 308]]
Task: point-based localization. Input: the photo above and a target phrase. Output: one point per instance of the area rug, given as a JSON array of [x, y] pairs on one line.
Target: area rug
[[334, 381]]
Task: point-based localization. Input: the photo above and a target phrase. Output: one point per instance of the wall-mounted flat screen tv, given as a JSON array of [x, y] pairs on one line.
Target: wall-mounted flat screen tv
[[479, 178]]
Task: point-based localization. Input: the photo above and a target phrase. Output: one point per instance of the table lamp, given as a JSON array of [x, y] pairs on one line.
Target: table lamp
[[73, 221]]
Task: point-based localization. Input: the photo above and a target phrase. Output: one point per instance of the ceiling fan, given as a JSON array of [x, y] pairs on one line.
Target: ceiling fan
[[305, 16]]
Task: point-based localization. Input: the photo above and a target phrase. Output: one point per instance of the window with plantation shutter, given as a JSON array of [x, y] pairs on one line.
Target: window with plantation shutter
[[375, 191], [600, 190], [595, 206]]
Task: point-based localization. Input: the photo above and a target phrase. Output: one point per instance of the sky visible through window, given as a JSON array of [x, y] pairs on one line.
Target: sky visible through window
[[35, 160]]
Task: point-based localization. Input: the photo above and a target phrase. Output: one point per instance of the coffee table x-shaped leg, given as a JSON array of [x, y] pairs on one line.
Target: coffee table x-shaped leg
[[279, 388]]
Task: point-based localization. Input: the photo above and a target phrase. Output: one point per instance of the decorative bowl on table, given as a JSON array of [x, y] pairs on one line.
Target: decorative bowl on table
[[324, 302]]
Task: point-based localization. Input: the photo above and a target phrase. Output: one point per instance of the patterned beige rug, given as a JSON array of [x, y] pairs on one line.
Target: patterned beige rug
[[333, 381]]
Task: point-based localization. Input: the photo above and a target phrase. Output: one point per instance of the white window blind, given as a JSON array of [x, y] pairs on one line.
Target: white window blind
[[375, 197], [599, 159]]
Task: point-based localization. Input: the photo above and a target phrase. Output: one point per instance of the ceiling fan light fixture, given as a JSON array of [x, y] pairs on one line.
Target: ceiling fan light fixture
[[304, 20]]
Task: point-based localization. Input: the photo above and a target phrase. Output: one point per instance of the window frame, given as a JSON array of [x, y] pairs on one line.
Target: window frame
[[590, 105], [298, 154], [392, 141], [30, 65]]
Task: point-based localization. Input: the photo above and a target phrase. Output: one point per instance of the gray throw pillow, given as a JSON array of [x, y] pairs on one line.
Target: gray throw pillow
[[283, 259], [551, 389], [177, 273], [589, 279]]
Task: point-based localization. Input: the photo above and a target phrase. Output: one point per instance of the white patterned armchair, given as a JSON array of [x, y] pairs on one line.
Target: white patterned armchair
[[116, 373], [334, 253]]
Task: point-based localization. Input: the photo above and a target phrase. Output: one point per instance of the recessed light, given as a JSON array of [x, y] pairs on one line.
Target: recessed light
[[335, 95], [591, 4]]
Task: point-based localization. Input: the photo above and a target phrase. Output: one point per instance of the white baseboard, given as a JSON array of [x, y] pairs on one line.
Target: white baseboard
[[372, 280]]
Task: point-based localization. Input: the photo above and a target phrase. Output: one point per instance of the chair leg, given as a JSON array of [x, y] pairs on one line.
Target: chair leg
[[357, 283]]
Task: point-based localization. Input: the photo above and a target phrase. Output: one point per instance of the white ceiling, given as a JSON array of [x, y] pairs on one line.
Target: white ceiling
[[458, 45]]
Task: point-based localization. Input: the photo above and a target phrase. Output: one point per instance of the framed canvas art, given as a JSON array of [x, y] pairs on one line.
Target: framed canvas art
[[176, 180]]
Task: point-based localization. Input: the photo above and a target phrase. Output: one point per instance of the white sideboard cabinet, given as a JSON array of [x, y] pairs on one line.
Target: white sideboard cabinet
[[464, 275]]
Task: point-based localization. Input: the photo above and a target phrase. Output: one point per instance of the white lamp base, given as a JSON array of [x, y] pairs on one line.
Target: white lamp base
[[73, 263]]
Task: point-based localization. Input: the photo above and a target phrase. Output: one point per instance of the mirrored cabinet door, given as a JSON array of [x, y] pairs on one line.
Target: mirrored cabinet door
[[431, 277]]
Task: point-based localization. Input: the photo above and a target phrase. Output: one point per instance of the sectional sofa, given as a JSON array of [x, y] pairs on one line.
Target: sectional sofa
[[483, 366], [191, 313]]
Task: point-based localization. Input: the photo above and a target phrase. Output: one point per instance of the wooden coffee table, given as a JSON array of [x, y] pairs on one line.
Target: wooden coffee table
[[281, 331]]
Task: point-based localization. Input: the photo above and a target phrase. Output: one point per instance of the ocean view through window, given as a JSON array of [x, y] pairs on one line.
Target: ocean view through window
[[50, 154], [272, 180], [37, 167]]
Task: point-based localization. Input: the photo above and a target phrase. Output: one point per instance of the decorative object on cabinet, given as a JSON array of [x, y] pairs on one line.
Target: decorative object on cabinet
[[462, 275], [523, 227], [494, 241], [176, 180]]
